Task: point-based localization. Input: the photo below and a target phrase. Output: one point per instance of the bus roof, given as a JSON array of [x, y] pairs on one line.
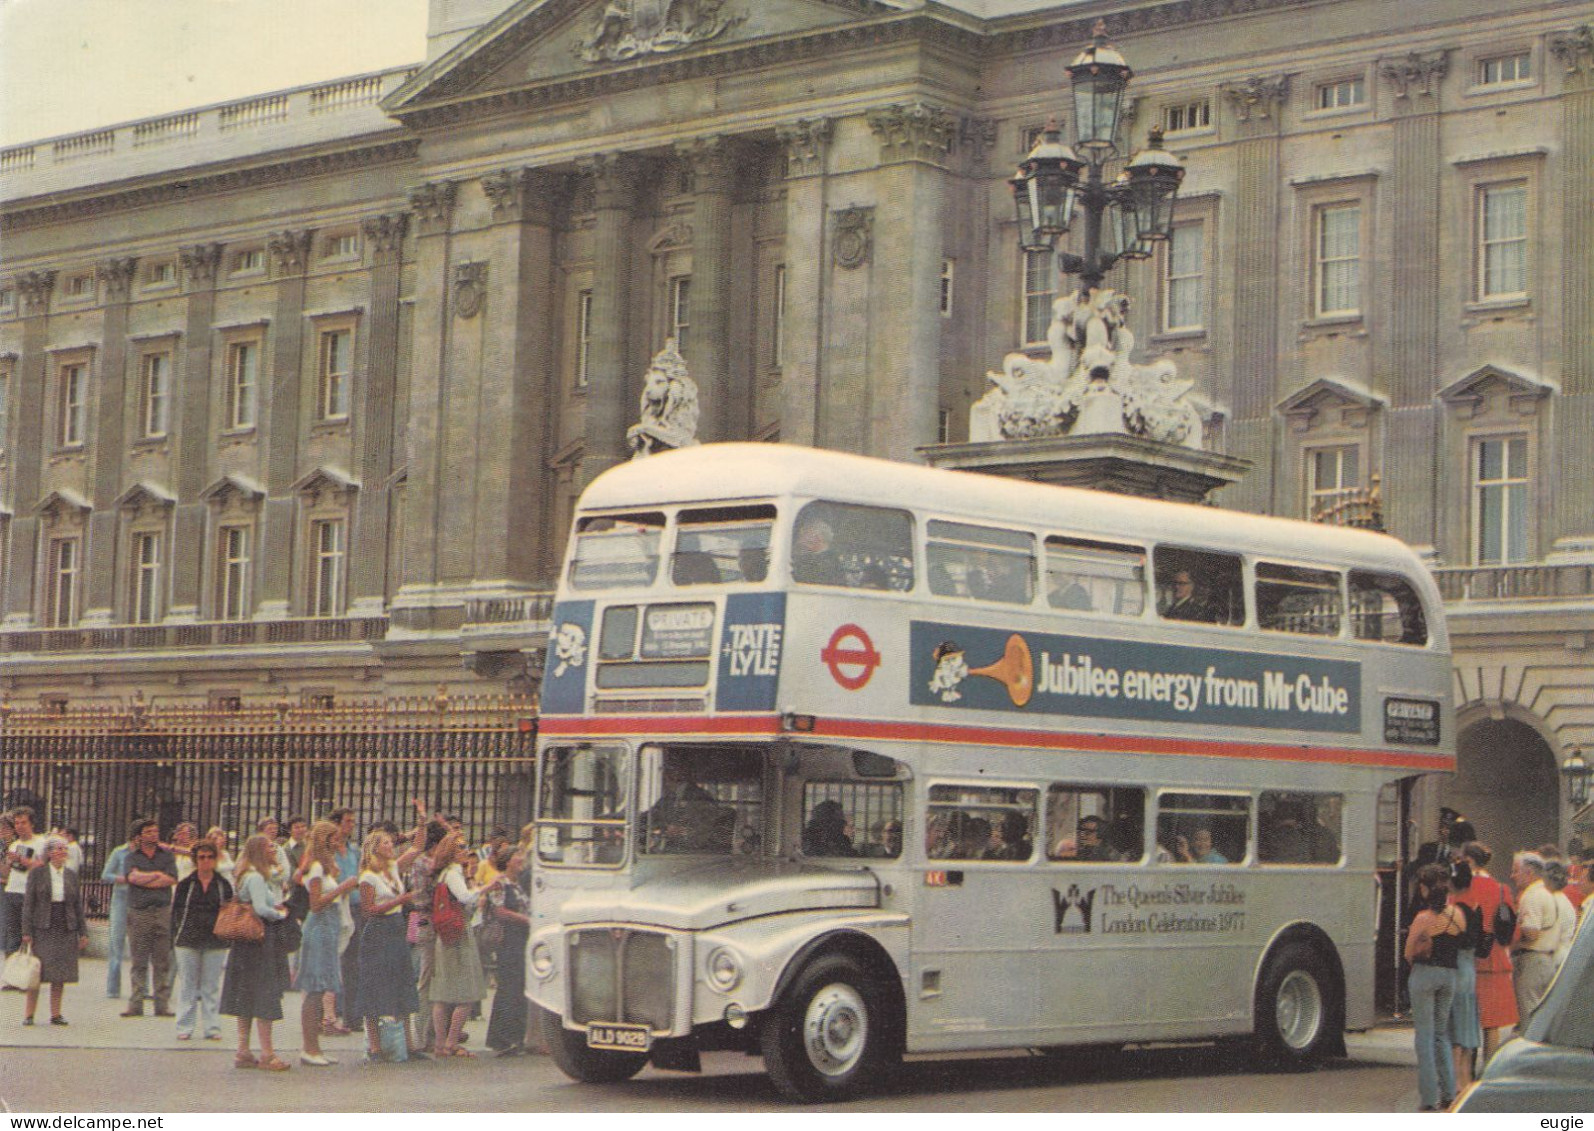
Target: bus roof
[[712, 472]]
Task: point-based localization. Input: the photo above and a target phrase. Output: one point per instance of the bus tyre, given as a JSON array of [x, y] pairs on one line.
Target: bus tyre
[[1296, 1007], [828, 1036], [591, 1066]]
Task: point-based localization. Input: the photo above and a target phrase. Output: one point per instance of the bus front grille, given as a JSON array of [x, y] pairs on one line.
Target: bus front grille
[[617, 974]]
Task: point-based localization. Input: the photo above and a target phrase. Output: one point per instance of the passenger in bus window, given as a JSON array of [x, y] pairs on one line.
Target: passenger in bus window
[[1011, 838], [753, 561], [974, 840], [1186, 601], [995, 577], [1068, 593], [885, 840], [814, 560], [1091, 841], [1197, 848], [938, 840], [829, 831]]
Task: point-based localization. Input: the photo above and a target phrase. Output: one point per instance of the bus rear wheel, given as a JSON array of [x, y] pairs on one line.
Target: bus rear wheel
[[1296, 1006], [828, 1036], [591, 1066]]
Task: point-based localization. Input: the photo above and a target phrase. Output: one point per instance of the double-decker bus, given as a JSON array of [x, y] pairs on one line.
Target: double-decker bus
[[842, 759]]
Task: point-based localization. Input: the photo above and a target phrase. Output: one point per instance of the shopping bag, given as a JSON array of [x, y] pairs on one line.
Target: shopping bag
[[395, 1046], [21, 971]]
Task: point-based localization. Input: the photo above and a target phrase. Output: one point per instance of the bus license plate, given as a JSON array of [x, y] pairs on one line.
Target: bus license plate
[[619, 1038]]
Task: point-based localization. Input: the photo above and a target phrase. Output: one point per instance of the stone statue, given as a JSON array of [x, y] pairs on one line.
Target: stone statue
[[669, 406], [1088, 385], [629, 28]]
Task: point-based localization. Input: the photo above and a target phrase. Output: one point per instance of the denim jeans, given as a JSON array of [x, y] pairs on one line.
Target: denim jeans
[[199, 989], [1432, 988], [116, 942]]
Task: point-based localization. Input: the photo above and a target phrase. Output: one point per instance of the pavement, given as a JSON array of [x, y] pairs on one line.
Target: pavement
[[94, 1022]]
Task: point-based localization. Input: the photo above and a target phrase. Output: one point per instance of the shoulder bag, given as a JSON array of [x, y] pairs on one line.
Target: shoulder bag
[[21, 971], [448, 918], [237, 922]]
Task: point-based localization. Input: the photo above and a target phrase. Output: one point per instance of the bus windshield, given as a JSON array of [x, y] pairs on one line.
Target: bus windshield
[[581, 811], [700, 800], [616, 550]]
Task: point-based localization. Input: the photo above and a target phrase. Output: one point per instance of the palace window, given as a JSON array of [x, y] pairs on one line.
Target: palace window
[[249, 262], [160, 274], [778, 330], [243, 378], [1330, 474], [1040, 288], [74, 391], [145, 583], [80, 286], [232, 572], [1504, 69], [1342, 94], [1183, 116], [1502, 240], [948, 276], [680, 310], [329, 547], [333, 367], [1184, 265], [583, 336], [155, 394], [1500, 499], [1337, 260], [62, 577], [344, 245]]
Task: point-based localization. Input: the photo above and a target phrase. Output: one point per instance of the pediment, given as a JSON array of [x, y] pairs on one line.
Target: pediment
[[145, 494], [539, 41], [325, 479], [62, 502], [1473, 391], [233, 487], [1345, 401]]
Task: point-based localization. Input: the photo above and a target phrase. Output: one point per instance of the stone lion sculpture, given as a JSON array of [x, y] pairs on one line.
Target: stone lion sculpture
[[669, 407]]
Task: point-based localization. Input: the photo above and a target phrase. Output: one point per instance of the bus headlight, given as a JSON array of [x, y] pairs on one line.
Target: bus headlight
[[724, 969], [542, 960]]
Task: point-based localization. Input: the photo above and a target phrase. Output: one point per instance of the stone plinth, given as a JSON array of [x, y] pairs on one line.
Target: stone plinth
[[1125, 465]]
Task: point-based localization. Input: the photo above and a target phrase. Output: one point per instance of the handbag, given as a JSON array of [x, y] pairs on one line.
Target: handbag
[[395, 1045], [237, 922], [491, 933], [448, 918], [21, 971]]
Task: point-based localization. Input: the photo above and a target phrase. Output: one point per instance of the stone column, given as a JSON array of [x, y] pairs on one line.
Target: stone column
[[433, 207], [707, 352], [374, 416], [281, 394], [1253, 378], [1574, 51], [28, 387], [1410, 358], [608, 403], [806, 142], [110, 448], [904, 385], [514, 496], [194, 440]]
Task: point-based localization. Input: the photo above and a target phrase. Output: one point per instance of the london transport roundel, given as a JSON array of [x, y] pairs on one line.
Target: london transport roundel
[[850, 656]]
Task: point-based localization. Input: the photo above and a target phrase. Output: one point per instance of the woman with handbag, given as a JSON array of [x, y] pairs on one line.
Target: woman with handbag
[[458, 982], [53, 927], [387, 986], [320, 974], [1496, 992], [509, 908], [201, 956], [257, 971]]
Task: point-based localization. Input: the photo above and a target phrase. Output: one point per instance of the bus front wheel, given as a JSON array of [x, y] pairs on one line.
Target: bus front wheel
[[1296, 1006], [591, 1066], [828, 1035]]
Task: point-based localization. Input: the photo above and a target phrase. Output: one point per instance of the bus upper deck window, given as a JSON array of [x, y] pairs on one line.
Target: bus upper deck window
[[616, 551], [722, 545], [1385, 607], [853, 546], [1095, 577], [1200, 586], [1296, 599], [985, 563]]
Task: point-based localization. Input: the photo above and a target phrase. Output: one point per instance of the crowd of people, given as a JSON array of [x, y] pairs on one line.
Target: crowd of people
[[392, 935], [1483, 953]]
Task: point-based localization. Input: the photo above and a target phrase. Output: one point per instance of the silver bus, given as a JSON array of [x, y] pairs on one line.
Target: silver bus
[[841, 759]]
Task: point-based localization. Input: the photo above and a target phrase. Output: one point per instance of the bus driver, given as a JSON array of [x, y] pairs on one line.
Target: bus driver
[[686, 817]]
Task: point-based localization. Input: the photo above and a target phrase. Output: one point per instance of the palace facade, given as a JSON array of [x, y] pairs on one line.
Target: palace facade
[[297, 392]]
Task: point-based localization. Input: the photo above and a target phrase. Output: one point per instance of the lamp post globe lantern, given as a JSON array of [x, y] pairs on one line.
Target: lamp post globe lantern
[[1045, 188], [1098, 75], [1576, 771], [1154, 178]]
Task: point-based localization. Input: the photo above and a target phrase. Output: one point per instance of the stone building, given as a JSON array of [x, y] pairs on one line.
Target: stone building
[[297, 392]]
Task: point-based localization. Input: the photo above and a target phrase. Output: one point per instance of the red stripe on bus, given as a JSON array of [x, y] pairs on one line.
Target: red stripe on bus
[[995, 736]]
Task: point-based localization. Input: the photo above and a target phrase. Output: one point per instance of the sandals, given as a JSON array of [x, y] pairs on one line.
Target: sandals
[[274, 1064], [457, 1051], [245, 1060], [333, 1029]]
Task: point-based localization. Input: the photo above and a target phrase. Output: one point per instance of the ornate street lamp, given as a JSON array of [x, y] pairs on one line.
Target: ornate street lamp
[[1121, 219], [1576, 771]]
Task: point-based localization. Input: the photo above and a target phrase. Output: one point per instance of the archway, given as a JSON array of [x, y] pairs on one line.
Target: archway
[[1508, 786]]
